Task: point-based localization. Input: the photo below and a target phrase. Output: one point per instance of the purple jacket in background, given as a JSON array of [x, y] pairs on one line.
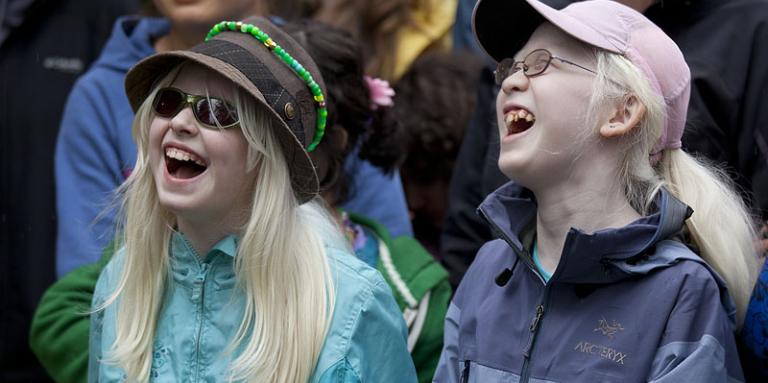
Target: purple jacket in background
[[624, 305]]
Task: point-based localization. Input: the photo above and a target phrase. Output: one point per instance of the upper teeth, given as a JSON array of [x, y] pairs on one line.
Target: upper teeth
[[182, 155], [521, 114]]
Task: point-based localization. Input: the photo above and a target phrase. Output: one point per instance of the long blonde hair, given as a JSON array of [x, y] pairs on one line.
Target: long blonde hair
[[720, 227], [281, 264]]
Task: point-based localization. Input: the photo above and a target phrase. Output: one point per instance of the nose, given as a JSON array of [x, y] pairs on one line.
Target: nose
[[516, 82], [184, 122]]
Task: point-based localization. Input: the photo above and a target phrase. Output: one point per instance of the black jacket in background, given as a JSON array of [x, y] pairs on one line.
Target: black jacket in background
[[725, 43], [39, 62]]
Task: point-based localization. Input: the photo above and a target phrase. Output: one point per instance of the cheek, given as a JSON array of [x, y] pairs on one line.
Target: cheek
[[499, 105], [233, 150]]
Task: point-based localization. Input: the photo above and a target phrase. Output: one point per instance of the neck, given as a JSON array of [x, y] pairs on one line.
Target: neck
[[202, 237], [587, 200], [180, 38]]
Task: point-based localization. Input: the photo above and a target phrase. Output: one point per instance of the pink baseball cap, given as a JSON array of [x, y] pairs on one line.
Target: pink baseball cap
[[504, 26]]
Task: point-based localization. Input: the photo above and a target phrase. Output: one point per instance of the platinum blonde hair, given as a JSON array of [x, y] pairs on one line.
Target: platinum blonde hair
[[720, 227], [281, 264]]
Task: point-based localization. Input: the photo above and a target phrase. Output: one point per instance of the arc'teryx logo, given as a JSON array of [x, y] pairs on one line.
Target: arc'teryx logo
[[608, 329], [604, 352]]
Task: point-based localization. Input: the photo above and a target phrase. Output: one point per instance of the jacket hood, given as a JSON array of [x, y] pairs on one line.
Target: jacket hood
[[605, 256], [132, 39]]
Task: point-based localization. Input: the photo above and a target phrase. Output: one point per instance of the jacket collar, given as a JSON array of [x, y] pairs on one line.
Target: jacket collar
[[183, 252], [604, 256]]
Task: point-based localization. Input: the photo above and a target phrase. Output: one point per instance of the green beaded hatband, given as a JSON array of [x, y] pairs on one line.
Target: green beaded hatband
[[258, 34], [271, 66]]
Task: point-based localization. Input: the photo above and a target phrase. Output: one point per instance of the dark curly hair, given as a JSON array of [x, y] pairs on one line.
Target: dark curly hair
[[435, 100], [351, 122]]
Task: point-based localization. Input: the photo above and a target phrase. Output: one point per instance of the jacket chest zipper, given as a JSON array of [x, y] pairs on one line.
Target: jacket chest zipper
[[465, 373], [525, 373], [200, 284], [523, 255]]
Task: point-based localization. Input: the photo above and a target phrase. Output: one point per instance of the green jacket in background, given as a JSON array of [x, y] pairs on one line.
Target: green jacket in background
[[421, 289], [60, 327]]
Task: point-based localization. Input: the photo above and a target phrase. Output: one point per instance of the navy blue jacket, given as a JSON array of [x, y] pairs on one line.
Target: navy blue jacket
[[629, 304]]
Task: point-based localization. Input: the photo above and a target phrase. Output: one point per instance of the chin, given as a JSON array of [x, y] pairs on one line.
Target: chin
[[175, 206], [511, 164]]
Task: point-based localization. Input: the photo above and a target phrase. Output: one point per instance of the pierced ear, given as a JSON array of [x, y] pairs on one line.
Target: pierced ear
[[626, 117]]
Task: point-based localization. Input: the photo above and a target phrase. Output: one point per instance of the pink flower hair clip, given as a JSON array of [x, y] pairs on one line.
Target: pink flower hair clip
[[380, 92]]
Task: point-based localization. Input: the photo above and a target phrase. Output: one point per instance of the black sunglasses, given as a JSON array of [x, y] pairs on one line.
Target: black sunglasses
[[211, 112], [534, 64]]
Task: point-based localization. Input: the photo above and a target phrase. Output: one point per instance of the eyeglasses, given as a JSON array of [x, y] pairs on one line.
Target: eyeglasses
[[211, 112], [534, 64]]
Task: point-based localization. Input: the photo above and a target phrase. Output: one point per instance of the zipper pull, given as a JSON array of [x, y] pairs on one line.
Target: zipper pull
[[465, 373], [537, 318], [199, 282]]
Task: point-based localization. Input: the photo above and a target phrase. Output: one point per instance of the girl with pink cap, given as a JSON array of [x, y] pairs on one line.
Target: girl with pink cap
[[614, 246]]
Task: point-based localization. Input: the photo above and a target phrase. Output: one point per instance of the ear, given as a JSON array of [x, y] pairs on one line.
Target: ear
[[342, 138], [626, 116]]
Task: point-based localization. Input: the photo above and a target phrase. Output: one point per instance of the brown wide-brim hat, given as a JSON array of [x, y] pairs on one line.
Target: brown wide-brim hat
[[247, 62]]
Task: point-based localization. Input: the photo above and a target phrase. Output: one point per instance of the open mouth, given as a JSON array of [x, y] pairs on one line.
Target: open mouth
[[518, 121], [182, 164]]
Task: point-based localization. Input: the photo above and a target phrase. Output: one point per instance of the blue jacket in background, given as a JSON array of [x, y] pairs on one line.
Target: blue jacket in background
[[203, 308], [754, 333], [624, 305], [95, 153]]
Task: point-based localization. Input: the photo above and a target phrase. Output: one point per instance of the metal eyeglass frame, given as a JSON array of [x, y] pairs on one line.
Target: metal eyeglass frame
[[508, 66]]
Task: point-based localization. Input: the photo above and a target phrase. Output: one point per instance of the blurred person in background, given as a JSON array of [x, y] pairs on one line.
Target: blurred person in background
[[434, 101], [44, 47], [393, 33]]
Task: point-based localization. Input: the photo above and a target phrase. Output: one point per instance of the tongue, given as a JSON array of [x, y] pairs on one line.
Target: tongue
[[187, 170]]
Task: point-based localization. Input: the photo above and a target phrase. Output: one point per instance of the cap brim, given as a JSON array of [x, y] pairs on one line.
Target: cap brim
[[142, 77], [502, 27]]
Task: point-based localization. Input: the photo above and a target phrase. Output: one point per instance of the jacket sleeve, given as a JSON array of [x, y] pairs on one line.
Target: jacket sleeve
[[754, 333], [698, 344], [60, 326], [378, 350], [476, 174], [448, 366], [88, 169]]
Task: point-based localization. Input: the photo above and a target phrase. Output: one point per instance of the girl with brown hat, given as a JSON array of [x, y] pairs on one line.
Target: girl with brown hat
[[230, 268]]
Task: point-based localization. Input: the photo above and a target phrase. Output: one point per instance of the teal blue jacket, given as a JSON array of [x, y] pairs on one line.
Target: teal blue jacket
[[203, 308]]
